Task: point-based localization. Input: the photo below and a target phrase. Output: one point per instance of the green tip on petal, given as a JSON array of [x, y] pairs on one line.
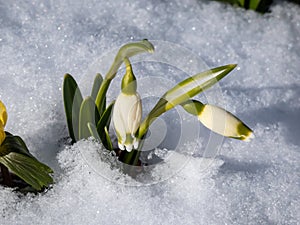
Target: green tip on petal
[[246, 134], [219, 120], [224, 123]]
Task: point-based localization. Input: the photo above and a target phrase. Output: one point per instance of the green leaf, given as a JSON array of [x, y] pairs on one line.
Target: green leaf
[[93, 131], [72, 102], [242, 2], [96, 86], [108, 143], [125, 51], [88, 114], [183, 92], [15, 156], [253, 4], [29, 169], [103, 123], [13, 144], [97, 83]]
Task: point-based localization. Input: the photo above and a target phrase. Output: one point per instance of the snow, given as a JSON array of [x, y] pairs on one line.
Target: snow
[[243, 183]]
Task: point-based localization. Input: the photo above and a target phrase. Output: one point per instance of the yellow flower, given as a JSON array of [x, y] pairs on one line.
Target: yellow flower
[[3, 119]]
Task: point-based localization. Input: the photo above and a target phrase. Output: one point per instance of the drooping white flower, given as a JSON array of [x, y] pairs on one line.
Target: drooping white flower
[[127, 112], [224, 123], [219, 120]]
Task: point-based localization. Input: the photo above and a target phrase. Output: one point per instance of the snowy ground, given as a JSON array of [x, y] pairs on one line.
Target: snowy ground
[[246, 183]]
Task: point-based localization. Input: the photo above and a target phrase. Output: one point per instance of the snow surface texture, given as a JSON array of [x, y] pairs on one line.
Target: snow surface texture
[[245, 183]]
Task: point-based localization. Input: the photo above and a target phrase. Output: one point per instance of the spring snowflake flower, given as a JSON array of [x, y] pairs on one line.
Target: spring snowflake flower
[[127, 112]]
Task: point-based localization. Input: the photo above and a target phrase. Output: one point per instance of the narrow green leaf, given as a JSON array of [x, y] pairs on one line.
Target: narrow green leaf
[[242, 2], [87, 115], [96, 86], [105, 141], [106, 117], [184, 91], [108, 143], [72, 102], [105, 122], [253, 4], [126, 51], [93, 131], [97, 83]]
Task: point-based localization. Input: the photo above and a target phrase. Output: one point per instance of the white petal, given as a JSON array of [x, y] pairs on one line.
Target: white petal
[[135, 115], [128, 148], [122, 147], [118, 120], [224, 123], [127, 116], [135, 144]]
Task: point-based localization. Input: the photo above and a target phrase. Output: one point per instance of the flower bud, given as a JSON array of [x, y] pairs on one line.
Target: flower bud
[[219, 120]]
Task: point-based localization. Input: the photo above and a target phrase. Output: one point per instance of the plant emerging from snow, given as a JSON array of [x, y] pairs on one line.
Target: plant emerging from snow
[[15, 158], [90, 116]]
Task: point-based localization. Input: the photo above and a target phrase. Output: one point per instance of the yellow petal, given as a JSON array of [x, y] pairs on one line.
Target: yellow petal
[[224, 123], [2, 134], [3, 114]]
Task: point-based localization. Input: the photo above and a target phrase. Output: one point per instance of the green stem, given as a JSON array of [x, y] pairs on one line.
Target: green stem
[[100, 99], [126, 51]]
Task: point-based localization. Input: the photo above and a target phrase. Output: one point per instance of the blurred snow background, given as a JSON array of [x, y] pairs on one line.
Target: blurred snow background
[[247, 183]]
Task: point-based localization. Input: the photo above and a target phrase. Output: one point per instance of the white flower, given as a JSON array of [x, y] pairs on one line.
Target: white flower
[[224, 123], [126, 118], [127, 112], [219, 120]]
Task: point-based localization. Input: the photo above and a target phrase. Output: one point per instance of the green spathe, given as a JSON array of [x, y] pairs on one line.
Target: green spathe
[[128, 85], [126, 51]]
